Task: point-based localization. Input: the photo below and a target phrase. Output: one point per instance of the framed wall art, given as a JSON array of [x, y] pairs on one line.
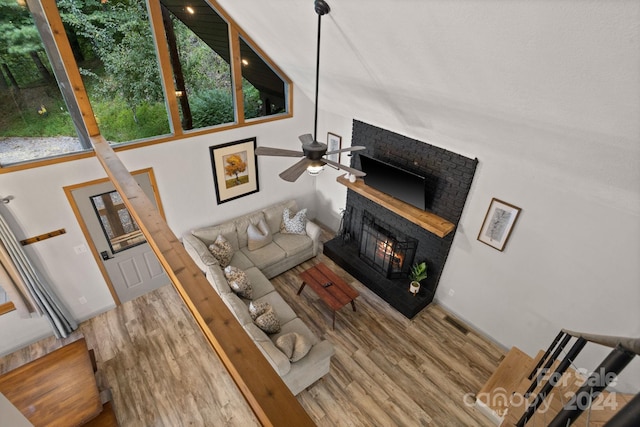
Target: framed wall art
[[334, 142], [498, 223], [235, 169]]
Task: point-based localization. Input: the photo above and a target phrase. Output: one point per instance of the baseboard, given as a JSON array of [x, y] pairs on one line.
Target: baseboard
[[489, 413]]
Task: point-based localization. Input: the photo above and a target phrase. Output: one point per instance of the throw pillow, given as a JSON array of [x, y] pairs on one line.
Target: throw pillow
[[296, 224], [259, 235], [294, 345], [238, 281], [221, 250], [268, 321], [258, 308]]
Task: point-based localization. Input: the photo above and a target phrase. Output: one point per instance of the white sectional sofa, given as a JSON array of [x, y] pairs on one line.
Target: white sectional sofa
[[282, 253]]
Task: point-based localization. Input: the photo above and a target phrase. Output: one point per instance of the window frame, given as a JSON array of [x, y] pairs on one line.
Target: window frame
[[51, 29]]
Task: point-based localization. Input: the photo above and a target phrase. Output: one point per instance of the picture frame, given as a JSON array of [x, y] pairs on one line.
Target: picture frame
[[235, 169], [498, 224], [334, 142]]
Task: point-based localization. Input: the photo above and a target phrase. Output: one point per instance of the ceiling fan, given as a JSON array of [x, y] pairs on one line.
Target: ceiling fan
[[314, 152]]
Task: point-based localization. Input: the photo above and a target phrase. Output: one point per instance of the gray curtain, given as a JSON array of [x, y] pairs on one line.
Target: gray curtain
[[18, 275]]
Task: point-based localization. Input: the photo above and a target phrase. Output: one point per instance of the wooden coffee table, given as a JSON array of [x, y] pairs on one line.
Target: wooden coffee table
[[331, 289]]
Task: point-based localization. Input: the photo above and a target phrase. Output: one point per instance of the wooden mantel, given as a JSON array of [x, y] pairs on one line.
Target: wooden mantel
[[427, 220]]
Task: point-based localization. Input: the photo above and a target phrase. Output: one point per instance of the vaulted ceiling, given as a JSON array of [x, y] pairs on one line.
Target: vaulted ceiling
[[502, 75]]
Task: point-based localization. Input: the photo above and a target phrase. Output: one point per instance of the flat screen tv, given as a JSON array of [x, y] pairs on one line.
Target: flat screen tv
[[394, 181]]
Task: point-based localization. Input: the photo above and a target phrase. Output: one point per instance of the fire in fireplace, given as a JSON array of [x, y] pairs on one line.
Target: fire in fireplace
[[385, 249]]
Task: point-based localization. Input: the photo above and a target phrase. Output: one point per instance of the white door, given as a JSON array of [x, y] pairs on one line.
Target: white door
[[131, 265]]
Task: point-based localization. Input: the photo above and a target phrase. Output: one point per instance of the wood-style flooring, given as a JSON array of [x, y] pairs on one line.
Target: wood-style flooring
[[387, 370]]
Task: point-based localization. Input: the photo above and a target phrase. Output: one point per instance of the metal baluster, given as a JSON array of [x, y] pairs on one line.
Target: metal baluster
[[562, 367], [606, 372]]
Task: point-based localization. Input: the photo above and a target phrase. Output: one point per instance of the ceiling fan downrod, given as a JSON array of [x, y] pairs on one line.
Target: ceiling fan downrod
[[322, 8]]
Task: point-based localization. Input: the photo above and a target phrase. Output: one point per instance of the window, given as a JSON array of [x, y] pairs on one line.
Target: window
[[120, 229], [34, 118], [130, 71], [198, 42], [114, 49]]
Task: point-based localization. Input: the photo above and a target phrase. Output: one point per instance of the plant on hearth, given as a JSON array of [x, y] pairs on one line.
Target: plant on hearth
[[417, 273]]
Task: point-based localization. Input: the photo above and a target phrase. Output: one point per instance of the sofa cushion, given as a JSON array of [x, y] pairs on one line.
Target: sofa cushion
[[237, 307], [259, 283], [242, 224], [221, 250], [294, 345], [241, 261], [217, 279], [273, 214], [238, 281], [265, 256], [284, 312], [293, 244], [276, 358], [209, 234], [258, 235]]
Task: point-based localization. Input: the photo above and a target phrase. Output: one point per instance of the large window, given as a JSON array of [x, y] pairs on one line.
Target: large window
[[114, 48], [129, 70], [34, 119]]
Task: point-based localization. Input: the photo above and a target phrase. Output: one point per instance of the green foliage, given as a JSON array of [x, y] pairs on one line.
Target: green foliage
[[119, 124], [211, 107], [56, 122], [252, 101], [418, 272]]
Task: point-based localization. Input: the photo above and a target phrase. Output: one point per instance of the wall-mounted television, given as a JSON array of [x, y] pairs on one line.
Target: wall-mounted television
[[394, 181]]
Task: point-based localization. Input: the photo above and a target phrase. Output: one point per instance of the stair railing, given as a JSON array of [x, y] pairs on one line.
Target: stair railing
[[623, 351]]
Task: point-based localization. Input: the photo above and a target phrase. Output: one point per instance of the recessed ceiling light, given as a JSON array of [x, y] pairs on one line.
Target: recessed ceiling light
[[190, 10], [245, 62]]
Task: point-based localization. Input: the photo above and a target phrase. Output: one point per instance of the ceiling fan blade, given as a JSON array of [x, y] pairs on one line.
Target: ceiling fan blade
[[307, 138], [294, 172], [343, 150], [270, 151], [352, 171]]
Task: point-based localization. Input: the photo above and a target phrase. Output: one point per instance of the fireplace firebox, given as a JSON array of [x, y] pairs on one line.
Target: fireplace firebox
[[385, 249]]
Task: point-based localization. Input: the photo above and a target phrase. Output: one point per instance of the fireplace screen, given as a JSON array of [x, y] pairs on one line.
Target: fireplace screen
[[385, 249]]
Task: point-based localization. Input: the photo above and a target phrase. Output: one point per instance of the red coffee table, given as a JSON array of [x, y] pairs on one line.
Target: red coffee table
[[331, 289]]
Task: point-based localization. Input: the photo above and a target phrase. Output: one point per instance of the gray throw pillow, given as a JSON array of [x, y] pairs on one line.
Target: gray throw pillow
[[258, 235], [294, 345]]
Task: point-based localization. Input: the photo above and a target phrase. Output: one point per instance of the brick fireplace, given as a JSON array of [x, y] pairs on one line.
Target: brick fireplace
[[379, 246]]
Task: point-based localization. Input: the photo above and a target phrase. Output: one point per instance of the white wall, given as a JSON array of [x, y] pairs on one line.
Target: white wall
[[184, 175]]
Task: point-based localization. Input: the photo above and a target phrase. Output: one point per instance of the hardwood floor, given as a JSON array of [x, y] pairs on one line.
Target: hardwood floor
[[387, 370]]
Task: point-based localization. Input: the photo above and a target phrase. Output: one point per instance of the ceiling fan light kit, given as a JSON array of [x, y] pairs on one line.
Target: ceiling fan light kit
[[314, 152]]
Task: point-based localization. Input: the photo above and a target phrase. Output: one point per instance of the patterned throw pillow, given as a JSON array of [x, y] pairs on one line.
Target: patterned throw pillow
[[221, 250], [238, 281], [257, 308], [294, 345], [268, 321], [259, 235], [295, 225]]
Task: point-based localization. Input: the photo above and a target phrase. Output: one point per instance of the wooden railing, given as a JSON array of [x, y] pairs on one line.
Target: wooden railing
[[265, 392]]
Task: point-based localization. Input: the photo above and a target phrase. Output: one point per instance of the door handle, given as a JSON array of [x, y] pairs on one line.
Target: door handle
[[105, 255]]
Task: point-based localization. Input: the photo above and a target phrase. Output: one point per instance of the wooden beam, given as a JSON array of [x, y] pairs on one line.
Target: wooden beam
[[265, 392]]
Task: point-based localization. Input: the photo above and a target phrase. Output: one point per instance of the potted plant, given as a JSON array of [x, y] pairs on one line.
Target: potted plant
[[417, 273]]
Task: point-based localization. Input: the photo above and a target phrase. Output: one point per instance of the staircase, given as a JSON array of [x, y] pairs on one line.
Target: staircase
[[548, 390]]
